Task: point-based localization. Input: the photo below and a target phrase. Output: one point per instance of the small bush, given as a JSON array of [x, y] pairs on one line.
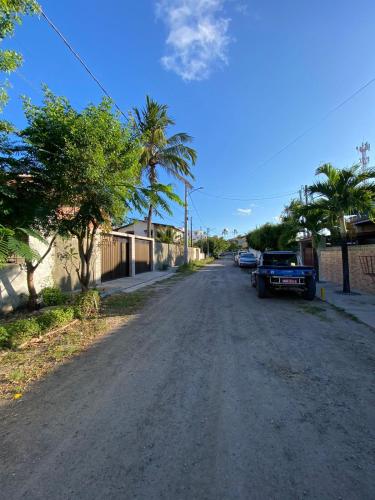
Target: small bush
[[56, 317], [22, 330], [87, 304], [52, 296], [4, 338]]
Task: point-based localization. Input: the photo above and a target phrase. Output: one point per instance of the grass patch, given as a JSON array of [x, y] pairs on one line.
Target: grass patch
[[124, 303], [320, 312], [19, 367], [194, 266], [342, 311]]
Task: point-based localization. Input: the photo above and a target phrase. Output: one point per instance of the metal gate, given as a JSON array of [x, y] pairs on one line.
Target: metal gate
[[308, 256], [142, 256], [115, 257]]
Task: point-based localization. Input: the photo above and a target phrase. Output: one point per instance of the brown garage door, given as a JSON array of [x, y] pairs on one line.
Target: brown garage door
[[142, 256], [115, 257]]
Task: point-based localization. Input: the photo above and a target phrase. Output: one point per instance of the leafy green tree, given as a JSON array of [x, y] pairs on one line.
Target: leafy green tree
[[30, 201], [269, 236], [11, 12], [343, 192], [302, 218], [233, 247], [12, 243], [158, 150], [91, 160], [216, 245]]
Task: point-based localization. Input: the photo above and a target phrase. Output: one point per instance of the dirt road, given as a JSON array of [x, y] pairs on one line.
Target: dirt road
[[211, 393]]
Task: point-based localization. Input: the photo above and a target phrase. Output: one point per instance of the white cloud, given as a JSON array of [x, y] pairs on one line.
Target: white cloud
[[197, 38], [244, 211]]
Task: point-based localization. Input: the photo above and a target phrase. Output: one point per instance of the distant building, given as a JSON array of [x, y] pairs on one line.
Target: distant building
[[240, 241], [139, 228], [365, 230]]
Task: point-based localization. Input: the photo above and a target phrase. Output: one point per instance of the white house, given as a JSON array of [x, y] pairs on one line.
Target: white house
[[139, 228]]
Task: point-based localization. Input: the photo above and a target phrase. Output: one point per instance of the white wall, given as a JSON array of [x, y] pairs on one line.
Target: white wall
[[13, 287]]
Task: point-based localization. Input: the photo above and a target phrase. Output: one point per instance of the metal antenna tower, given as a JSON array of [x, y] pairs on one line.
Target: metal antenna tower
[[364, 160]]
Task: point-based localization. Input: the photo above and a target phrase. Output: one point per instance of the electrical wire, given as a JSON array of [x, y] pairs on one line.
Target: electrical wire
[[317, 123], [81, 61], [270, 197], [196, 210]]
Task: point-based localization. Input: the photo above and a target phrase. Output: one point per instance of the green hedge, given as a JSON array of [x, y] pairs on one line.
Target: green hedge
[[52, 296], [16, 333], [56, 317], [87, 304], [22, 330], [4, 338]]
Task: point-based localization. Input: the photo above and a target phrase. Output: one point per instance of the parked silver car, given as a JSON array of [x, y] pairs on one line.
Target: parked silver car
[[237, 256], [247, 259]]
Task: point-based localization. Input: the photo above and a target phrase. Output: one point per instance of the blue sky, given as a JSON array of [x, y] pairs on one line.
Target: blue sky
[[243, 77]]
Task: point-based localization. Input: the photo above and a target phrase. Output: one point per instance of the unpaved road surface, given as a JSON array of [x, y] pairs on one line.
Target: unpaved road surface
[[211, 393]]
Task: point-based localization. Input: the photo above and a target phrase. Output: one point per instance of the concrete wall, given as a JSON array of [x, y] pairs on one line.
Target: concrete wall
[[331, 267], [58, 268], [173, 255], [13, 287], [64, 260]]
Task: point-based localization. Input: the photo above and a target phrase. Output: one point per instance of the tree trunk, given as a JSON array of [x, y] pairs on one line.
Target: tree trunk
[[85, 254], [84, 271], [149, 221], [345, 266], [32, 302]]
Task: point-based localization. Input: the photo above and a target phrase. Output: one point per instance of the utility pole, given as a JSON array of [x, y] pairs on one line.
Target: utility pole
[[364, 160], [191, 230], [186, 249], [188, 187], [306, 195]]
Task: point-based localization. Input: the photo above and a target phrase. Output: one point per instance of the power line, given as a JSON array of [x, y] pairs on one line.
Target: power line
[[318, 122], [196, 210], [270, 197], [81, 61]]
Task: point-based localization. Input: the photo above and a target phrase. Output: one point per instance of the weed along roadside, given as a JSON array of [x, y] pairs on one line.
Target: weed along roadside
[[33, 345], [194, 266]]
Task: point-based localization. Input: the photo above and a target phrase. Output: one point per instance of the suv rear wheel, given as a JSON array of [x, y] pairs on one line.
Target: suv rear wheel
[[261, 287], [309, 293]]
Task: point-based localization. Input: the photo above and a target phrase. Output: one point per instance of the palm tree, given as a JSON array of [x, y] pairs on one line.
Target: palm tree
[[167, 235], [343, 192], [170, 153], [225, 232], [13, 241]]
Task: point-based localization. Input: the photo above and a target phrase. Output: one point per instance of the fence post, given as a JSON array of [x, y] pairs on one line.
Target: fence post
[[132, 255], [152, 251]]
